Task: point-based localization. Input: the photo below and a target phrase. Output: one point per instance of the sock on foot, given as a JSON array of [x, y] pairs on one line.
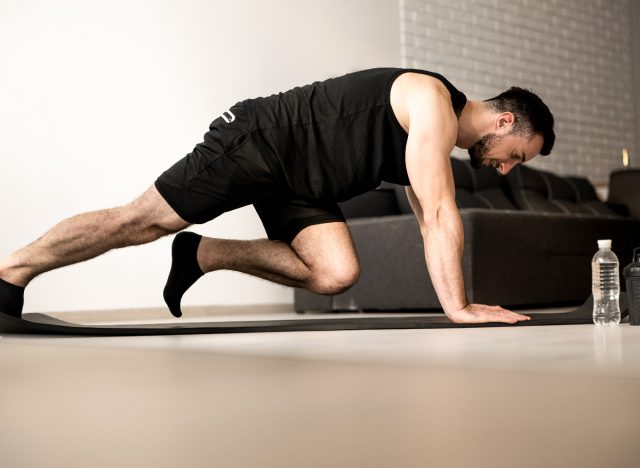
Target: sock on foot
[[11, 298], [184, 269]]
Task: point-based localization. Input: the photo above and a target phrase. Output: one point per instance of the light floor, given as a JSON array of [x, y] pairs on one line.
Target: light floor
[[515, 397]]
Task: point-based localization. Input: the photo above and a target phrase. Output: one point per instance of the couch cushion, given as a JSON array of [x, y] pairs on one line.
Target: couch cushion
[[563, 194], [530, 191], [588, 198], [489, 187], [545, 192], [523, 188], [463, 179]]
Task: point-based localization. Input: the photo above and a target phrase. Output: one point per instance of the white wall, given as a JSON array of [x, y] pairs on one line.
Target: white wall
[[577, 55], [98, 98]]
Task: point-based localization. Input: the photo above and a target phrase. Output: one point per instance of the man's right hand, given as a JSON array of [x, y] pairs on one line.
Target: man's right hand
[[479, 313]]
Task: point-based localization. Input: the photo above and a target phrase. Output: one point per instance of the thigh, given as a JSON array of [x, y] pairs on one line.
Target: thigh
[[284, 216], [327, 247], [315, 230]]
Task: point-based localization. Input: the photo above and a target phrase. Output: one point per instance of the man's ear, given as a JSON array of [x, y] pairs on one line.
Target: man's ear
[[505, 121]]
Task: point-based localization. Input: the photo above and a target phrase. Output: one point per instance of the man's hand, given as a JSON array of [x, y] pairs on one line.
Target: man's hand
[[479, 313]]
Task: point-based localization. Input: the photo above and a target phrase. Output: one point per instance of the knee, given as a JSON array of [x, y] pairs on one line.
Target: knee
[[335, 280], [147, 218]]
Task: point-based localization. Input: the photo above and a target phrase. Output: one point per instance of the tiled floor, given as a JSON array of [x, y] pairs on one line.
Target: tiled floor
[[529, 396]]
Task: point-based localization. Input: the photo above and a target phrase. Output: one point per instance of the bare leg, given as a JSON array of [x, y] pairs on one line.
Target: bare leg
[[88, 235], [272, 260], [321, 258]]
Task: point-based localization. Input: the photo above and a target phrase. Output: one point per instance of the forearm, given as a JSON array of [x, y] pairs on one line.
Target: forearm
[[443, 246]]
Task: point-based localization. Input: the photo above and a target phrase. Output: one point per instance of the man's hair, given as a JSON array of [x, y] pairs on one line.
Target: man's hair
[[531, 114]]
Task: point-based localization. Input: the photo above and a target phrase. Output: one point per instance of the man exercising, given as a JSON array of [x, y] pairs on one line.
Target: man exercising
[[294, 156]]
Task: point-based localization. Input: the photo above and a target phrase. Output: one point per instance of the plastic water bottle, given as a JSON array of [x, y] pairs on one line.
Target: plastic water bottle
[[605, 285]]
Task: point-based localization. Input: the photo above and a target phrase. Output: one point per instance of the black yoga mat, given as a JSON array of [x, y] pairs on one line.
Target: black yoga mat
[[44, 324]]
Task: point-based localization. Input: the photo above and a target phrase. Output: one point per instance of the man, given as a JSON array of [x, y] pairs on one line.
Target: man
[[294, 155]]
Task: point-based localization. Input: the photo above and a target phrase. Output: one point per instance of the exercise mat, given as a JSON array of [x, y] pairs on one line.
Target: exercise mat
[[43, 324]]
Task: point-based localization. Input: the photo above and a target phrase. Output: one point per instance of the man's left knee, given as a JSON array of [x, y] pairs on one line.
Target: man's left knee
[[335, 280]]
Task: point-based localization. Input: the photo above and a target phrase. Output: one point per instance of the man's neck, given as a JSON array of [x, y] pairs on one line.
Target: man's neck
[[474, 122]]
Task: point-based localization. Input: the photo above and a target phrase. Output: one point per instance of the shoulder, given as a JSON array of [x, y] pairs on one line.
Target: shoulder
[[412, 84], [423, 102]]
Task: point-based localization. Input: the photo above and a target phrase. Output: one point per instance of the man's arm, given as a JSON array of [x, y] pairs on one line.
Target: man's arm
[[432, 134], [440, 222]]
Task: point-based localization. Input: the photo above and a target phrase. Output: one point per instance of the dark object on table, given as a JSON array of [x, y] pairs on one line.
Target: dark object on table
[[632, 278]]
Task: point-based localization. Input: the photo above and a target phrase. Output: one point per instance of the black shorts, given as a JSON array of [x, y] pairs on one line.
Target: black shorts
[[230, 169]]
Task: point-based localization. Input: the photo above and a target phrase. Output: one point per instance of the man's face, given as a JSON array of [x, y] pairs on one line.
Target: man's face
[[504, 152]]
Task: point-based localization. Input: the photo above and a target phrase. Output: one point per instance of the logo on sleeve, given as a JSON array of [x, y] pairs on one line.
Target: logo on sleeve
[[230, 117]]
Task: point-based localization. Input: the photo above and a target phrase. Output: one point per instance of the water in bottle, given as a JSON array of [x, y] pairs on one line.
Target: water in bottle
[[605, 285]]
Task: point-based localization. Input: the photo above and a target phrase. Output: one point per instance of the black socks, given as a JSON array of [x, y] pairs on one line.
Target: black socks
[[184, 269], [11, 298]]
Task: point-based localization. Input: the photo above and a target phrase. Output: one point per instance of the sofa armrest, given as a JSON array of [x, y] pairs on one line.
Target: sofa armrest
[[619, 208]]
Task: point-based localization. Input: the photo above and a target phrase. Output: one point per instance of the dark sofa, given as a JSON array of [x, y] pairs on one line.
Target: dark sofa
[[529, 239]]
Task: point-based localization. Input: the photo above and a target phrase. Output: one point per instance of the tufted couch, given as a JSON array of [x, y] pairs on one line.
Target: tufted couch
[[529, 239]]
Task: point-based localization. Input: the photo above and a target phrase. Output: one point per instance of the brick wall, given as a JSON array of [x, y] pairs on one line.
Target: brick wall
[[577, 55]]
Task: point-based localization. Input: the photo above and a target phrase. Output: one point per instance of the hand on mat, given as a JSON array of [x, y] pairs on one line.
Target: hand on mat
[[479, 313]]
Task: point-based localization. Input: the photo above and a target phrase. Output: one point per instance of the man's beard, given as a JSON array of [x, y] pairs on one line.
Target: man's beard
[[479, 150]]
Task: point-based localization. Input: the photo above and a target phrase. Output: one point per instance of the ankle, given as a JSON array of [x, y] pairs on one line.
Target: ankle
[[14, 275], [203, 254], [209, 254]]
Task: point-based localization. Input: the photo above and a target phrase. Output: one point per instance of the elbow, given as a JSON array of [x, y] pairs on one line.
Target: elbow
[[431, 217], [436, 216]]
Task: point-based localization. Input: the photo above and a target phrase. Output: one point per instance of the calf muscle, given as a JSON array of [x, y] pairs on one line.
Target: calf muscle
[[89, 235]]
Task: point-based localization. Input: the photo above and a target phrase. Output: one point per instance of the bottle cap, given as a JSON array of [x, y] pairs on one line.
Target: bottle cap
[[633, 268], [604, 243]]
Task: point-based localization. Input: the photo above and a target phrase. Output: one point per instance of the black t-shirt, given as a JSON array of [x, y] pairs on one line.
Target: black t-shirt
[[337, 138]]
